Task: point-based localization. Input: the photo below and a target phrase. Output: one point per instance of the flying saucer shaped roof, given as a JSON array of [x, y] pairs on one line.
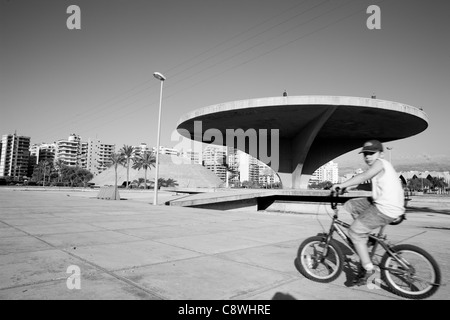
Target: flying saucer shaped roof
[[354, 117], [312, 130]]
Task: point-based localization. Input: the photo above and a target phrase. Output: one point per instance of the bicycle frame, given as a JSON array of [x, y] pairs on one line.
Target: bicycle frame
[[379, 238]]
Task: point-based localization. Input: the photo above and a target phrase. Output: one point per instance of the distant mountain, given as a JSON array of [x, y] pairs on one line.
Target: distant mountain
[[407, 163]]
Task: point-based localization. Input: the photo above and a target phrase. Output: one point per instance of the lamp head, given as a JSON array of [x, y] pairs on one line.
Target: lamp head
[[159, 76]]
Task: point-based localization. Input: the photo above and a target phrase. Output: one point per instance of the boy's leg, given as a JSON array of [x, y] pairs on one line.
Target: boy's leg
[[359, 231], [356, 206]]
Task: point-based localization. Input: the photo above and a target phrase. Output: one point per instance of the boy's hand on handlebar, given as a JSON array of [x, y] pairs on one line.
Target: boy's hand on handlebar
[[337, 188]]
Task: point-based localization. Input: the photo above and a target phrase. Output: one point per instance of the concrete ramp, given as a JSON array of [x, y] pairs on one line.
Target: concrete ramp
[[282, 200]]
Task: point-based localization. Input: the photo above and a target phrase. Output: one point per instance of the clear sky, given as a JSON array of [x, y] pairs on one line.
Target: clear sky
[[97, 81]]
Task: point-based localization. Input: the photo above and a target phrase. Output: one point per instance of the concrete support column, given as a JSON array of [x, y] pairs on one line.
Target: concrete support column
[[295, 151]]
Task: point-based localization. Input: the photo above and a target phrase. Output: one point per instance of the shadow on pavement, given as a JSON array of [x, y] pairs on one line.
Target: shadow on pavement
[[427, 210]]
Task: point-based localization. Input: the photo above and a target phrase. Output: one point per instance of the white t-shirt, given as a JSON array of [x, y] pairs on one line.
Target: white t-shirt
[[387, 191]]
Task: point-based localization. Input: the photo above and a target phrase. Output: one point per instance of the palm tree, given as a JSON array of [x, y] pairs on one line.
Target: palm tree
[[114, 160], [145, 161], [127, 152], [46, 168], [59, 164]]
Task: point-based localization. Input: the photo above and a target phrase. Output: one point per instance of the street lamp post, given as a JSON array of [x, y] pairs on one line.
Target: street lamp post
[[160, 77]]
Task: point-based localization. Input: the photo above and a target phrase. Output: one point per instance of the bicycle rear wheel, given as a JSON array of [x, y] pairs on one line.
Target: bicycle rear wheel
[[420, 280], [314, 265]]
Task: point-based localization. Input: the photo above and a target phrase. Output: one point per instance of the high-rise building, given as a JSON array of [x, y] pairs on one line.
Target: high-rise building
[[233, 172], [165, 150], [141, 149], [213, 159], [248, 167], [267, 176], [72, 151], [14, 155], [327, 172], [42, 151], [194, 156], [98, 154]]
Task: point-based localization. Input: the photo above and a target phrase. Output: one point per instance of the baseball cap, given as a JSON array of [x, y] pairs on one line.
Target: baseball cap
[[372, 146]]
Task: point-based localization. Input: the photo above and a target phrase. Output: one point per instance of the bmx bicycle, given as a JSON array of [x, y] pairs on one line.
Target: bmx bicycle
[[407, 270]]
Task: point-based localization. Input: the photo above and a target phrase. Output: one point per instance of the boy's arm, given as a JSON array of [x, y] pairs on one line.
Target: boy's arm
[[376, 168]]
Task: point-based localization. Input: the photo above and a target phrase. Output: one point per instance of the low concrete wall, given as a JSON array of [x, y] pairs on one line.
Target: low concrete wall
[[300, 207], [238, 205], [108, 193]]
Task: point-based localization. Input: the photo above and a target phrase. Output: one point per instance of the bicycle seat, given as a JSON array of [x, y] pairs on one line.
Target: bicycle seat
[[398, 220]]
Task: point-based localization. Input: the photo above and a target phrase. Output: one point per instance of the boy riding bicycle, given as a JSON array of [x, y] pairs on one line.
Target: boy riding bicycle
[[385, 205]]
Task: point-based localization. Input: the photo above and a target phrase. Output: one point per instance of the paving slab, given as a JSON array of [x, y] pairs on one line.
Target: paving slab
[[97, 286], [204, 278], [22, 244], [80, 239], [27, 268], [132, 254]]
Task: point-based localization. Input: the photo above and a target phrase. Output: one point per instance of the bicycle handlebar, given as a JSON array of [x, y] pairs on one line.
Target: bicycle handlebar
[[339, 191], [336, 194]]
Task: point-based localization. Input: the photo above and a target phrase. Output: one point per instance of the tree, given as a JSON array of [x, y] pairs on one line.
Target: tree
[[231, 173], [83, 176], [419, 184], [41, 171], [324, 185], [250, 184], [59, 165], [145, 161], [76, 176], [167, 182], [115, 160], [438, 183], [127, 152]]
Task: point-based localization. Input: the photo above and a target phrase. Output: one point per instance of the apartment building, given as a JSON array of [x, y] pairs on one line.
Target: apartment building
[[98, 155], [142, 148], [248, 167], [213, 159], [194, 156], [165, 150], [14, 155], [42, 152], [72, 151], [327, 172], [267, 176]]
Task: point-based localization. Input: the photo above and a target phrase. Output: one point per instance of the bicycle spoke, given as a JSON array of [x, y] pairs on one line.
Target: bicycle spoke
[[318, 265]]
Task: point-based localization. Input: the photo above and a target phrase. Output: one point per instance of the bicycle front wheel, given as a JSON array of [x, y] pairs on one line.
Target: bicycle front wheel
[[416, 277], [317, 265]]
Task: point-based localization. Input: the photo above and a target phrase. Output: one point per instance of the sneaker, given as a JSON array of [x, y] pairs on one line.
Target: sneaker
[[363, 276]]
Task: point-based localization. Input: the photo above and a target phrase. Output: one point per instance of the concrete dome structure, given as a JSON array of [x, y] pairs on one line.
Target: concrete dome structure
[[182, 173], [304, 132]]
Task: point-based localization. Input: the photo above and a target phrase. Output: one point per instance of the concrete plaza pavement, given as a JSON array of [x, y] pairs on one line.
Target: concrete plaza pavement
[[130, 249]]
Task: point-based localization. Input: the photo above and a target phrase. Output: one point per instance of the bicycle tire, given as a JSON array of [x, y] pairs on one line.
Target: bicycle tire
[[428, 282], [309, 264]]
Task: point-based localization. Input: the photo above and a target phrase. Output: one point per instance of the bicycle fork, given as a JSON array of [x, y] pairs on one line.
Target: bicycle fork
[[335, 227]]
